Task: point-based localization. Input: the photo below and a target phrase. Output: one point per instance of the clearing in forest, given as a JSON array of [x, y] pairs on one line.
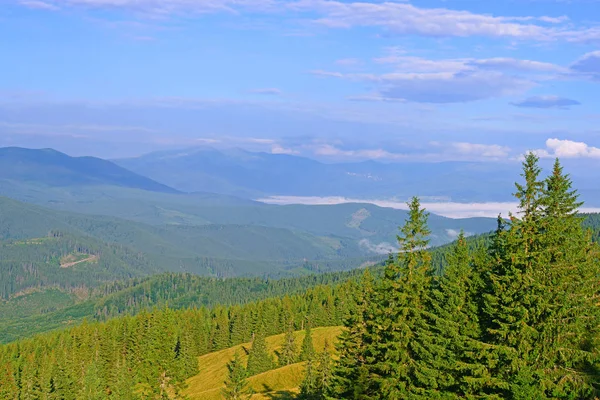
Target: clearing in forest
[[280, 383]]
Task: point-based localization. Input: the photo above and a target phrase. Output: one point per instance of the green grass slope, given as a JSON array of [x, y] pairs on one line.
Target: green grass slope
[[213, 369]]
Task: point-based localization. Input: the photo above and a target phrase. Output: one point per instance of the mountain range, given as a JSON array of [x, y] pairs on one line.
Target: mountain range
[[248, 174]]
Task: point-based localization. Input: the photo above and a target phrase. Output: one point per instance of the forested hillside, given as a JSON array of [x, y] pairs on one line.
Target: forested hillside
[[509, 315], [151, 355], [54, 302]]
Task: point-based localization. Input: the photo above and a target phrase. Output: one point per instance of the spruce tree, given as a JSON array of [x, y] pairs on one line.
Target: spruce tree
[[351, 375], [397, 336], [459, 354], [236, 385], [259, 359], [8, 384], [569, 275], [307, 351], [308, 387], [512, 303], [288, 352], [324, 372], [540, 307]]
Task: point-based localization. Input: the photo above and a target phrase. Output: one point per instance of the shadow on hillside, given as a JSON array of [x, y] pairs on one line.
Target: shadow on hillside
[[279, 395]]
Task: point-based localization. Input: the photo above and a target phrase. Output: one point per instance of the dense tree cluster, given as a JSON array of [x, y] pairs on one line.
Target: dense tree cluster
[[151, 354], [516, 319]]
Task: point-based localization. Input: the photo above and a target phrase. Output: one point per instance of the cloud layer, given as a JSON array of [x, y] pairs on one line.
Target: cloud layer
[[568, 149], [398, 18], [546, 102]]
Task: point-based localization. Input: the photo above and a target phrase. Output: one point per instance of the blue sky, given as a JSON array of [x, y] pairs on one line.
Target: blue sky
[[335, 80]]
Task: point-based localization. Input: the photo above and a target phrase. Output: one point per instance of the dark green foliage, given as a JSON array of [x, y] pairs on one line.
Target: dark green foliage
[[236, 385], [307, 351], [288, 354], [515, 316], [458, 355], [317, 377], [259, 358], [308, 387], [351, 374], [151, 354], [398, 341]]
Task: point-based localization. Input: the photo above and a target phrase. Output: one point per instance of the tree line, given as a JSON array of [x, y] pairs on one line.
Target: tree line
[[516, 319], [150, 355]]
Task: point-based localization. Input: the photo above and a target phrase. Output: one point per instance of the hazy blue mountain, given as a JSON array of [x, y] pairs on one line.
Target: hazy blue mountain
[[51, 168], [248, 174]]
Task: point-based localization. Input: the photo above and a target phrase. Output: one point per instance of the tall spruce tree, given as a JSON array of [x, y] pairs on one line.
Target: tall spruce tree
[[259, 359], [540, 303], [350, 374], [570, 276], [397, 336], [460, 357], [324, 372], [512, 303], [288, 352], [236, 385], [308, 387], [307, 351]]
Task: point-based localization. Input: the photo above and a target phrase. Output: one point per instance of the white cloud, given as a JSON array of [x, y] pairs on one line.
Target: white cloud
[[503, 63], [328, 150], [483, 150], [567, 149], [446, 209], [381, 248], [449, 80], [278, 149], [397, 17], [588, 65], [40, 5]]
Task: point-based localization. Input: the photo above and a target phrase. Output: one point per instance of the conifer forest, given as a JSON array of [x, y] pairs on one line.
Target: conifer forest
[[514, 314]]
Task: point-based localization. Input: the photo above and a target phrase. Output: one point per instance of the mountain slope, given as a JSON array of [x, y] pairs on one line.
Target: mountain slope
[[208, 383], [49, 167], [252, 175], [210, 249]]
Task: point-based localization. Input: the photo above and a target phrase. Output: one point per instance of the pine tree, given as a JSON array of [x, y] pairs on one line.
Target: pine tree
[[92, 388], [308, 387], [541, 311], [512, 303], [459, 354], [288, 353], [259, 359], [569, 276], [236, 386], [397, 336], [324, 372], [307, 351], [8, 384], [351, 376]]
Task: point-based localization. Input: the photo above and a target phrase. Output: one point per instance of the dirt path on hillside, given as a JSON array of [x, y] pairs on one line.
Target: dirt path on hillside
[[68, 265]]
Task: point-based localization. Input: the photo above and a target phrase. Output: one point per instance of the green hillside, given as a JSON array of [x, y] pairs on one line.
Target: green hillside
[[218, 250], [208, 383]]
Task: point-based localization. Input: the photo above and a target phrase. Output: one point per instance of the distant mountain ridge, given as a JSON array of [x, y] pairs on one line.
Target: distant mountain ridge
[[251, 175], [48, 167]]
